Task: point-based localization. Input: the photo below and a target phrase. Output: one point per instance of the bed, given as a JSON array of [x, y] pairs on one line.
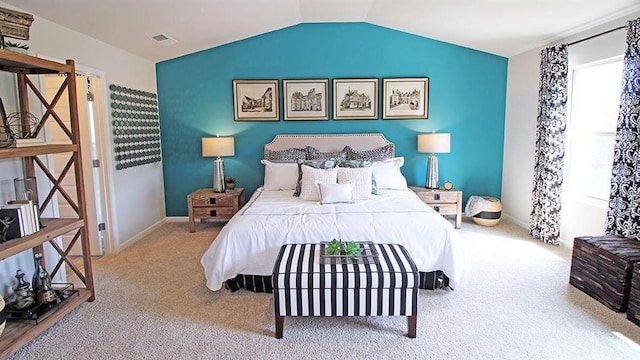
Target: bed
[[346, 206]]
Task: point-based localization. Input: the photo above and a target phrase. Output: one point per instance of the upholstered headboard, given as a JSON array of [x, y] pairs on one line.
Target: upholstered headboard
[[330, 142]]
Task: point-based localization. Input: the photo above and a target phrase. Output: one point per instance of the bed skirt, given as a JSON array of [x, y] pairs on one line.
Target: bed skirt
[[434, 280]]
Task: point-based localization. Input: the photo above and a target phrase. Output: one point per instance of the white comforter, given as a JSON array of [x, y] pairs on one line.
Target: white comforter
[[250, 242]]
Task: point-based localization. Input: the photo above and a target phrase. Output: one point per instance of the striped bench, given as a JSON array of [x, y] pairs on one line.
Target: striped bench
[[303, 286]]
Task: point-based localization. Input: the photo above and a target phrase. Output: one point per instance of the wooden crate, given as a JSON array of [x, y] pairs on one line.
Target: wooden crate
[[633, 312], [601, 266]]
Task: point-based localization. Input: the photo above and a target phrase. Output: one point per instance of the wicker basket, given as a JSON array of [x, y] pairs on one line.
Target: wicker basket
[[489, 216]]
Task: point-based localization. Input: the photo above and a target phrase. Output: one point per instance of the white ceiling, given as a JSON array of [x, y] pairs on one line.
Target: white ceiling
[[502, 27]]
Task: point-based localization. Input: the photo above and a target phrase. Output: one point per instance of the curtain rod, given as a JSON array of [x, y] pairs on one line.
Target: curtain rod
[[596, 35]]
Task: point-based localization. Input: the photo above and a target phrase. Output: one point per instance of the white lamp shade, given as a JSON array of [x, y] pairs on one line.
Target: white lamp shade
[[434, 143], [218, 146]]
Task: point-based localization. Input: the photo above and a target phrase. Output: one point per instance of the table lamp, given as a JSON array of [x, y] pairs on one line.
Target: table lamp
[[218, 146], [433, 143]]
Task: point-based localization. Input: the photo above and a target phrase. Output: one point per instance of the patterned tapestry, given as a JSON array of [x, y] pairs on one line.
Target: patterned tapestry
[[623, 217], [136, 127], [549, 156]]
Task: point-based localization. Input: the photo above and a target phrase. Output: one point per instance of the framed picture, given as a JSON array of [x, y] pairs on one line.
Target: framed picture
[[306, 99], [255, 100], [355, 99], [405, 98]]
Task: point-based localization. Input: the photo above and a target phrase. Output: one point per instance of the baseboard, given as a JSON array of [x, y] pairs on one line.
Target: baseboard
[[176, 219], [516, 221], [140, 235], [525, 225]]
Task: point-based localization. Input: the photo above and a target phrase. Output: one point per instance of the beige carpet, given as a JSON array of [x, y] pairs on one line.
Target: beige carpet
[[152, 304]]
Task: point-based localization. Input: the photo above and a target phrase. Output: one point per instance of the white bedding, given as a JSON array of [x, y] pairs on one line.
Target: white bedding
[[250, 242]]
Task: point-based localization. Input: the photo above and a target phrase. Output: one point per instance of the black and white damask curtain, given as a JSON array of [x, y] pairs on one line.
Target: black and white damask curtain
[[544, 221], [623, 217]]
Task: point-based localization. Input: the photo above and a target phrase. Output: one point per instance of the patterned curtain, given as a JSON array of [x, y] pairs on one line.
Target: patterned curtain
[[623, 217], [549, 157]]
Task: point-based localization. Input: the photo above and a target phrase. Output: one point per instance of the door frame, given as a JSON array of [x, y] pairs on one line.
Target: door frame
[[104, 156]]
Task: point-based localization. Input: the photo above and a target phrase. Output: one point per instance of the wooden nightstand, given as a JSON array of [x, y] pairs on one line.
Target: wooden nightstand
[[445, 202], [205, 204]]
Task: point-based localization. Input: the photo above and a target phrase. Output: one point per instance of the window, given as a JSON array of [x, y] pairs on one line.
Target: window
[[593, 113]]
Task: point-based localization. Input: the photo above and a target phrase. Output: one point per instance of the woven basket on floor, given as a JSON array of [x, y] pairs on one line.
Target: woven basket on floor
[[489, 216]]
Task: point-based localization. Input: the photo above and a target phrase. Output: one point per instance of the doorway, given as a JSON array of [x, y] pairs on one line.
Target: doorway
[[91, 115]]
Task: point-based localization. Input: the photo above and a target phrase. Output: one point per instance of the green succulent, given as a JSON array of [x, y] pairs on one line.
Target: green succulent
[[15, 45], [334, 247], [351, 248]]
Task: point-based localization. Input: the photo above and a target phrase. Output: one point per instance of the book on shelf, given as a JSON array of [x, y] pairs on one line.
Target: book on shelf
[[13, 216], [27, 215]]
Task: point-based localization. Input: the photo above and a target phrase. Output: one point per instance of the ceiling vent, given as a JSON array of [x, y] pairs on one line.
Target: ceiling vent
[[164, 40]]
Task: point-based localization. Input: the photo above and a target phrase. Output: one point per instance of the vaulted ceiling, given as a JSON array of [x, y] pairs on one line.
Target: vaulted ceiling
[[501, 27]]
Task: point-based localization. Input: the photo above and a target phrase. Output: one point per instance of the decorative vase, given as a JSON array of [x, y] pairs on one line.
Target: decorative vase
[[231, 186], [42, 283], [24, 295]]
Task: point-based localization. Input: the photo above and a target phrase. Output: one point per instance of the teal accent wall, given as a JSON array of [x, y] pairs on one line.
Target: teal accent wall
[[466, 98]]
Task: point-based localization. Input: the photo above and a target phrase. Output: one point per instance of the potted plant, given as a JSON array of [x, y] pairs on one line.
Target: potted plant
[[230, 182], [17, 47]]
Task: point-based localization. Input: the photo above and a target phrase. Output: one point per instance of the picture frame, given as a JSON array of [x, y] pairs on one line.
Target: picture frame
[[306, 99], [405, 98], [355, 99], [256, 100]]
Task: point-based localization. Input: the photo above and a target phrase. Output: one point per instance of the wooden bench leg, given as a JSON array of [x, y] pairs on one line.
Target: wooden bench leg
[[412, 322], [279, 326]]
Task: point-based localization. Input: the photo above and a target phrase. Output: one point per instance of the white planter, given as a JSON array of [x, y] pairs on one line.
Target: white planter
[[18, 50]]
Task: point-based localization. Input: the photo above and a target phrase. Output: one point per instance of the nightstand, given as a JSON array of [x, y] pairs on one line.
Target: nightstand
[[445, 202], [205, 204]]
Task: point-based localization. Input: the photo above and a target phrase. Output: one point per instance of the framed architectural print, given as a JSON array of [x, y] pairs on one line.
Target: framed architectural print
[[405, 98], [306, 99], [255, 100], [355, 99]]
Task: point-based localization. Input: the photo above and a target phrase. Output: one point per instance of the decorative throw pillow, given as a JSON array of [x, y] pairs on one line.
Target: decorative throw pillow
[[288, 155], [335, 193], [379, 154], [387, 174], [280, 176], [310, 176], [360, 179], [315, 154], [318, 164], [359, 164]]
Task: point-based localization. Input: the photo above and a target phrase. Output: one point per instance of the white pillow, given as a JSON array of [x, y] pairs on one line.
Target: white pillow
[[387, 174], [360, 179], [335, 193], [310, 176], [280, 176]]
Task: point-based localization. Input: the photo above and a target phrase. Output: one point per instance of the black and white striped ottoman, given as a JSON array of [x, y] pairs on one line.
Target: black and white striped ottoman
[[304, 286]]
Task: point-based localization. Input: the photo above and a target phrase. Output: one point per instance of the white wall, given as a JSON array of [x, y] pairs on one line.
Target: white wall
[[137, 200], [520, 129]]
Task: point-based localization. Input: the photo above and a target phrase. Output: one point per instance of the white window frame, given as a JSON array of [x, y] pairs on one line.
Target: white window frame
[[572, 132]]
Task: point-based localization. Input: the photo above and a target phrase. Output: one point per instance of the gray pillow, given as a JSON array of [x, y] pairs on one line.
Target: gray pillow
[[315, 154], [381, 153], [288, 155], [317, 164]]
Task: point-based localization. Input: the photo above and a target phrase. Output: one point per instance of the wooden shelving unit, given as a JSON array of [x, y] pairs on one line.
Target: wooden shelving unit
[[17, 334]]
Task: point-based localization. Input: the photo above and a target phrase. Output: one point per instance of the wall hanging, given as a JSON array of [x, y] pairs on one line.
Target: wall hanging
[[136, 127]]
